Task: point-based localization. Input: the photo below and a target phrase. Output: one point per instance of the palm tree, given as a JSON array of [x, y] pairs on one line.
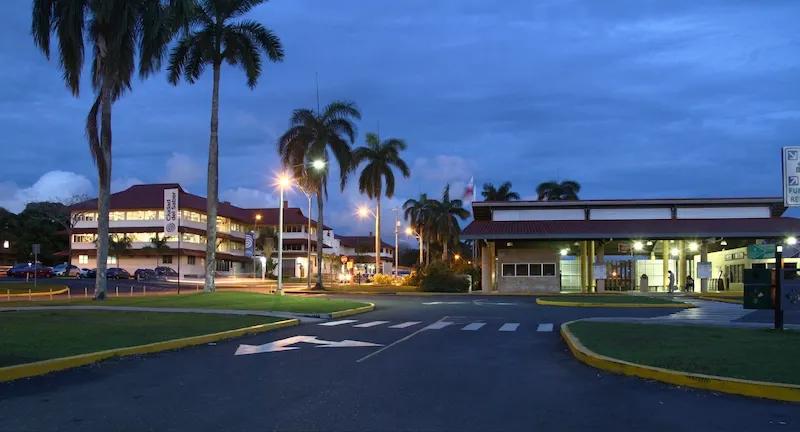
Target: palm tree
[[210, 38], [113, 31], [444, 219], [117, 246], [503, 193], [160, 245], [566, 190], [380, 158], [417, 212], [311, 137]]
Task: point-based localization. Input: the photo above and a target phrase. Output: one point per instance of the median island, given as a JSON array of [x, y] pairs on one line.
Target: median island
[[742, 353], [609, 300]]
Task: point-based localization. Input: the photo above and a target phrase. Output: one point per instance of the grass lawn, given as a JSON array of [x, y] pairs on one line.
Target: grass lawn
[[20, 287], [33, 336], [615, 298], [217, 300], [755, 354]]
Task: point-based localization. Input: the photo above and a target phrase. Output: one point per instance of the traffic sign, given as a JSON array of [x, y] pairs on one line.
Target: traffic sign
[[791, 176]]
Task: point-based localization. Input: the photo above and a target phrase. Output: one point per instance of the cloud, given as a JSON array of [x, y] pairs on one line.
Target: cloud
[[184, 169], [124, 183], [443, 169], [51, 186], [248, 198]]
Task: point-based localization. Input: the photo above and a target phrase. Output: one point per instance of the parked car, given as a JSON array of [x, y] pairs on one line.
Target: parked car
[[87, 273], [166, 272], [29, 270], [145, 274], [65, 269], [117, 273]]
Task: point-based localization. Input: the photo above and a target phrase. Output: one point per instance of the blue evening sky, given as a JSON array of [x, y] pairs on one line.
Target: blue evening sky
[[630, 98]]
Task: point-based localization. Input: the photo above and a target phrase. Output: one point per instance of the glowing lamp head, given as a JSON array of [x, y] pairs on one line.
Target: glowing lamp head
[[564, 252], [674, 252], [638, 246], [791, 241], [456, 257], [318, 164], [409, 231], [284, 181], [258, 217], [363, 212], [693, 246]]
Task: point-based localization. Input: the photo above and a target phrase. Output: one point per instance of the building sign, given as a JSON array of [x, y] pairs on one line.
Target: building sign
[[791, 176], [171, 212], [249, 244], [760, 251]]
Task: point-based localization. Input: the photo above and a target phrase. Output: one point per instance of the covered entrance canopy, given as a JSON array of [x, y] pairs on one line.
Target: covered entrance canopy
[[599, 244]]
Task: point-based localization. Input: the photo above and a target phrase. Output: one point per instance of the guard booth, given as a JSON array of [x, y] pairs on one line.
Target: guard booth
[[703, 244]]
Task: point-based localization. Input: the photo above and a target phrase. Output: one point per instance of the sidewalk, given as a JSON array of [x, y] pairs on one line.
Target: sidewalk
[[302, 317]]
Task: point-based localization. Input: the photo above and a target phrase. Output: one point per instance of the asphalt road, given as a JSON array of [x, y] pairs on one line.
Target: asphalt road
[[424, 376]]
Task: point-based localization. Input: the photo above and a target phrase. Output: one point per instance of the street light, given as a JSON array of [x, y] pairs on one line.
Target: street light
[[693, 247], [564, 252], [363, 212], [791, 240], [638, 246], [318, 164], [284, 181], [411, 232], [674, 252], [456, 257]]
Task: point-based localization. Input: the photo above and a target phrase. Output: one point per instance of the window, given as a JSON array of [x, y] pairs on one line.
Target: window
[[86, 217], [529, 270], [140, 215], [83, 259], [190, 260], [166, 259], [223, 265], [116, 216], [112, 261], [83, 238]]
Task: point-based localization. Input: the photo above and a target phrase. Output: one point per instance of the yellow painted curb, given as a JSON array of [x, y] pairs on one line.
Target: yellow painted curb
[[762, 389], [721, 299], [544, 302], [33, 294], [27, 370], [347, 312]]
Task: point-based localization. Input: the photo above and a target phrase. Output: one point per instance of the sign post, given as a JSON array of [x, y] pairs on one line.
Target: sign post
[[172, 222], [778, 283], [36, 249]]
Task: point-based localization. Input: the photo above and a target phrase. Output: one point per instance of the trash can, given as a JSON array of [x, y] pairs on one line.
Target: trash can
[[644, 284]]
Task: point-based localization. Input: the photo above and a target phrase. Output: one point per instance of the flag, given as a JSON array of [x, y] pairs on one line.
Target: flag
[[469, 191]]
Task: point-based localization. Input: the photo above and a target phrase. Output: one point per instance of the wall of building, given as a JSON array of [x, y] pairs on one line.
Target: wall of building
[[132, 263], [542, 253]]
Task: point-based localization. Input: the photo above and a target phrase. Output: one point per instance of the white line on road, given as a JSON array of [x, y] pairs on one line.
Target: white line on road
[[370, 324], [473, 326], [438, 325], [405, 324], [335, 323], [548, 327], [509, 327], [397, 342]]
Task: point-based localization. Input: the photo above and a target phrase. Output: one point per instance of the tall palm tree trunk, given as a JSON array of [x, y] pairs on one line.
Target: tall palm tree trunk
[[444, 250], [421, 258], [103, 191], [212, 186], [320, 229], [378, 238]]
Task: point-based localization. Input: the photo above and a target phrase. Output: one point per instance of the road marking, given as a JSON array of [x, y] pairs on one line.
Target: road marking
[[487, 303], [284, 345], [405, 324], [438, 325], [374, 353], [335, 323], [444, 303], [509, 327], [473, 326], [370, 324], [548, 327]]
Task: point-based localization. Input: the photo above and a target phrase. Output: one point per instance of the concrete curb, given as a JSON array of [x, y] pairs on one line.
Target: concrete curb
[[544, 302], [27, 370], [761, 389], [33, 294], [347, 312], [720, 299]]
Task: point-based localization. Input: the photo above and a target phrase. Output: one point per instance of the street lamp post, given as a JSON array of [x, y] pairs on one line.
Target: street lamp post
[[283, 182], [363, 212], [410, 231], [396, 240], [308, 241]]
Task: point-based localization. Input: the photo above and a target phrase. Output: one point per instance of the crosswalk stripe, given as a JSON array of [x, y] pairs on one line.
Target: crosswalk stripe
[[473, 326], [405, 324], [548, 327], [370, 324], [336, 323], [438, 325], [509, 327]]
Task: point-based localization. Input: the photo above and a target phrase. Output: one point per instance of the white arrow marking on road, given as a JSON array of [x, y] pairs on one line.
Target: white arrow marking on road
[[283, 345], [444, 303]]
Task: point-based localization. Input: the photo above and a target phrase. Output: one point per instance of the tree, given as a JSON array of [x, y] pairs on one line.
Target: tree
[[503, 193], [266, 240], [210, 38], [160, 245], [117, 246], [380, 158], [114, 31], [566, 190], [417, 211], [63, 214], [444, 217], [312, 137]]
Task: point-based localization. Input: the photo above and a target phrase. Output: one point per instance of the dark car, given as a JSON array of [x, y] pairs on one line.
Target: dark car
[[30, 270], [87, 273], [166, 272], [145, 274], [66, 270], [117, 273]]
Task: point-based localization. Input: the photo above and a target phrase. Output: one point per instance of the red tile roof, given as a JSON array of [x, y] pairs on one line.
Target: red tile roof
[[355, 241], [631, 229], [151, 196]]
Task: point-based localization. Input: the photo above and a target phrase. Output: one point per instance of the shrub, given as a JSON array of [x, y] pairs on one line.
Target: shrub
[[438, 277]]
